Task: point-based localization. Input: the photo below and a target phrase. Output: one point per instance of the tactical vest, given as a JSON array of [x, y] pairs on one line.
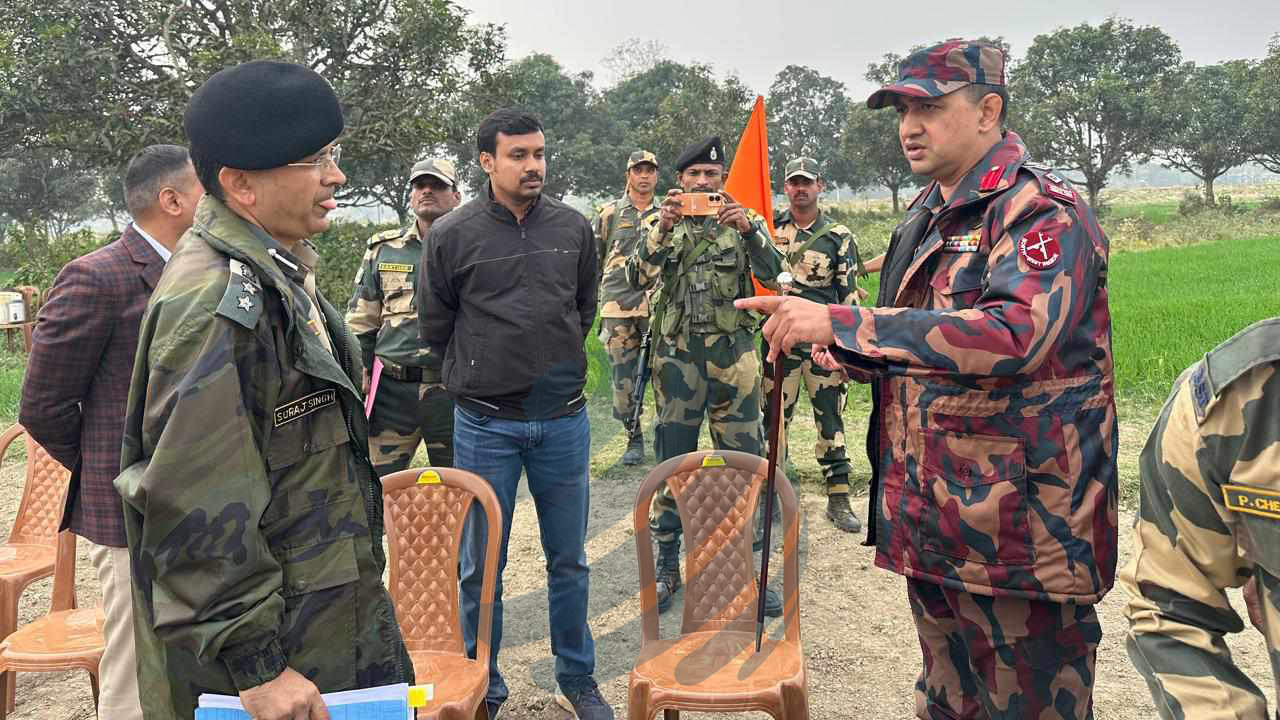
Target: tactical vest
[[713, 271]]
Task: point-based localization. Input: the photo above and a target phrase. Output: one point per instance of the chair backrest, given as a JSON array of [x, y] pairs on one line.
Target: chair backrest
[[43, 495], [424, 511], [716, 493]]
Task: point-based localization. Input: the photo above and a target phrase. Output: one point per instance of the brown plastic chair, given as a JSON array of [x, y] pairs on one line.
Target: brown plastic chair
[[713, 666], [30, 553], [66, 639], [425, 509]]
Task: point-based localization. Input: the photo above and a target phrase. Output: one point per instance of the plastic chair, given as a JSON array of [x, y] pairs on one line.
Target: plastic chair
[[713, 666], [424, 511], [31, 551]]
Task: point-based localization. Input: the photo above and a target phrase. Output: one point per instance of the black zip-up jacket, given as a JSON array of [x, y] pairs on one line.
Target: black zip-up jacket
[[509, 304]]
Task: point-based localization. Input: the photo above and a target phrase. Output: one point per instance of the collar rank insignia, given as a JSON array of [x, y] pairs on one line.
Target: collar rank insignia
[[991, 180]]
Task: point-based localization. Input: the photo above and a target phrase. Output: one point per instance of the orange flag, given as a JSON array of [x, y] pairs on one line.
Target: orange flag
[[748, 181]]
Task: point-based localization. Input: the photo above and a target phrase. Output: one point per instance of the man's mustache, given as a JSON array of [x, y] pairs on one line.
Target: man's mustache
[[531, 176]]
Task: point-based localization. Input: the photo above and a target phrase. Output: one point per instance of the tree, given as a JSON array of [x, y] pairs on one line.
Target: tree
[[632, 57], [873, 152], [567, 107], [1264, 115], [47, 191], [1087, 99], [667, 107], [1208, 122], [807, 113], [121, 72]]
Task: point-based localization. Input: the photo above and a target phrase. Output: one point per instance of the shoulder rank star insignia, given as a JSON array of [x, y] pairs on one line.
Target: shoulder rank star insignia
[[249, 288], [245, 303]]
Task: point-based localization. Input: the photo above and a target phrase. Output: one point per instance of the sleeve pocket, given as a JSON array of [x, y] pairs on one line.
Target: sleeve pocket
[[320, 567]]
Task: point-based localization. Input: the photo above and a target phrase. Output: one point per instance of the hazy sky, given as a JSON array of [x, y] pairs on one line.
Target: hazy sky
[[757, 39]]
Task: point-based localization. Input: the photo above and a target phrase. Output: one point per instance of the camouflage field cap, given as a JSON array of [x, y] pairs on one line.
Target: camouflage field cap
[[802, 166], [436, 167], [642, 156], [942, 69]]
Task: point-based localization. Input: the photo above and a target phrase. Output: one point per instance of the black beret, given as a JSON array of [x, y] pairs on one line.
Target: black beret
[[262, 114], [704, 151]]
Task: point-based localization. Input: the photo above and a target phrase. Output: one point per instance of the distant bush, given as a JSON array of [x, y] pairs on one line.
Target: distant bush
[[1271, 204], [1192, 203], [38, 258], [341, 247]]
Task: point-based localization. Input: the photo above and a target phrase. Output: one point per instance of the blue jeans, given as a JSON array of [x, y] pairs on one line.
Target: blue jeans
[[555, 454]]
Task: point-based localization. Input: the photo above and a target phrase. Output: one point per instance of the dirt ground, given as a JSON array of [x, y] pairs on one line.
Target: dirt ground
[[856, 626]]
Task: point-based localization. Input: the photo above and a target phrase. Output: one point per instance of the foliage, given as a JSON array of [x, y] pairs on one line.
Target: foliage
[[39, 257], [341, 248], [806, 112], [122, 70], [47, 190], [875, 153], [1265, 109], [632, 57], [1088, 97], [1208, 122]]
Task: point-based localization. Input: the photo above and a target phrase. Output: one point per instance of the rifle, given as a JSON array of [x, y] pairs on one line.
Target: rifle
[[637, 390]]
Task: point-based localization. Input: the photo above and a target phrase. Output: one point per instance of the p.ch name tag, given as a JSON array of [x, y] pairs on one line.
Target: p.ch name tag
[[1255, 501]]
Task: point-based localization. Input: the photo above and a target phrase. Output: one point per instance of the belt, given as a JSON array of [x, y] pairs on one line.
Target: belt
[[404, 373]]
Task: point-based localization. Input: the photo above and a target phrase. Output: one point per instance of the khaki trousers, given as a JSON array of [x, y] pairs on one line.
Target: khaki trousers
[[118, 673]]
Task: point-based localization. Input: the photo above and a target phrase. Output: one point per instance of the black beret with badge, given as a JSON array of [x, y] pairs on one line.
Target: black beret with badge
[[709, 150], [262, 114]]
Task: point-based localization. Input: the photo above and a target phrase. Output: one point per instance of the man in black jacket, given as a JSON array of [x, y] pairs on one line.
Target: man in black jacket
[[508, 297]]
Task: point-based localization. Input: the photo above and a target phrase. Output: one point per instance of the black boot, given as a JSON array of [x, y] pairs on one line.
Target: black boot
[[668, 575], [635, 450], [841, 515]]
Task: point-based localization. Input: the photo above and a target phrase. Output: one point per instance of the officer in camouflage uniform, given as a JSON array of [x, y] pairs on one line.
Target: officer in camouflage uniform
[[823, 259], [1209, 519], [705, 358], [253, 514], [992, 438], [410, 402], [624, 310]]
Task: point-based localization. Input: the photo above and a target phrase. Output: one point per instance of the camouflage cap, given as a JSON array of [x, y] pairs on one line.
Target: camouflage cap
[[942, 69], [642, 156], [802, 166], [436, 167]]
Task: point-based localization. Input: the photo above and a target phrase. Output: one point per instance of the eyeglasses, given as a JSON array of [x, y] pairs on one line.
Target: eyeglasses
[[328, 161]]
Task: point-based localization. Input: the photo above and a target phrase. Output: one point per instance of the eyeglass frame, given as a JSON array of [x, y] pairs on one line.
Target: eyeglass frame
[[329, 157]]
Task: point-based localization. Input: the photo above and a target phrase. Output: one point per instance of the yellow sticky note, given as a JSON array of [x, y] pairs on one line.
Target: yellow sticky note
[[420, 695], [429, 477], [713, 461]]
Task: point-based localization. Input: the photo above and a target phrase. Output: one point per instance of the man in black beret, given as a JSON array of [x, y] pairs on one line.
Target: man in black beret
[[705, 357], [253, 514]]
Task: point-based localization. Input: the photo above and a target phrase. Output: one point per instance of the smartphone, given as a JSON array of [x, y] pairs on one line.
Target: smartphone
[[697, 203]]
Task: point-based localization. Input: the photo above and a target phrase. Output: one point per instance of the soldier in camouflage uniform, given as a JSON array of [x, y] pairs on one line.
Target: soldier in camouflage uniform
[[1209, 519], [705, 358], [823, 259], [993, 431], [253, 514], [410, 403], [624, 310]]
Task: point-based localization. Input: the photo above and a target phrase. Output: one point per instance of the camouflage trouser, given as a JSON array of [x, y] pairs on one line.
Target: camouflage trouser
[[717, 375], [1002, 658], [827, 395], [621, 338], [405, 413]]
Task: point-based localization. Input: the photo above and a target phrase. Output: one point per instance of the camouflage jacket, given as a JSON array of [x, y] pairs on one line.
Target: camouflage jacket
[[827, 270], [622, 222], [697, 293], [253, 514], [1209, 519], [993, 432], [383, 312]]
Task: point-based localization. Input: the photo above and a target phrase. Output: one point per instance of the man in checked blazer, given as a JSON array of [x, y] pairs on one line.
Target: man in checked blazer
[[77, 385]]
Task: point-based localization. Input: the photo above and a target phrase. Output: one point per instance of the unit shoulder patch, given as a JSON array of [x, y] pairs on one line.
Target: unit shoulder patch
[[1040, 250]]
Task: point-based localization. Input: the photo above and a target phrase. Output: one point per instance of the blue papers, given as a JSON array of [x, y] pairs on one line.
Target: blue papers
[[389, 702]]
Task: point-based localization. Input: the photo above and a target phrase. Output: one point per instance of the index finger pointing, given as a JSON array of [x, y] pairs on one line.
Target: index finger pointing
[[767, 304]]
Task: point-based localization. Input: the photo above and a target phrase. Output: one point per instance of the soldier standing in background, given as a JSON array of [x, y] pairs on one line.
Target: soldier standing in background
[[705, 356], [624, 310], [992, 438], [411, 403], [1209, 519], [823, 259]]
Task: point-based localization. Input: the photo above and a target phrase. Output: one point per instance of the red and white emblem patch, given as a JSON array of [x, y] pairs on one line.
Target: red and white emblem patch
[[1040, 250]]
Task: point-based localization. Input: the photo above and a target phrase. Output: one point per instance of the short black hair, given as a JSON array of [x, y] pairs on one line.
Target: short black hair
[[977, 91], [508, 121], [207, 170], [149, 171]]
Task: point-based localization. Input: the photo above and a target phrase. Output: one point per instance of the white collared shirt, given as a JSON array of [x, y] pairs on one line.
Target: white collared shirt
[[163, 251]]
